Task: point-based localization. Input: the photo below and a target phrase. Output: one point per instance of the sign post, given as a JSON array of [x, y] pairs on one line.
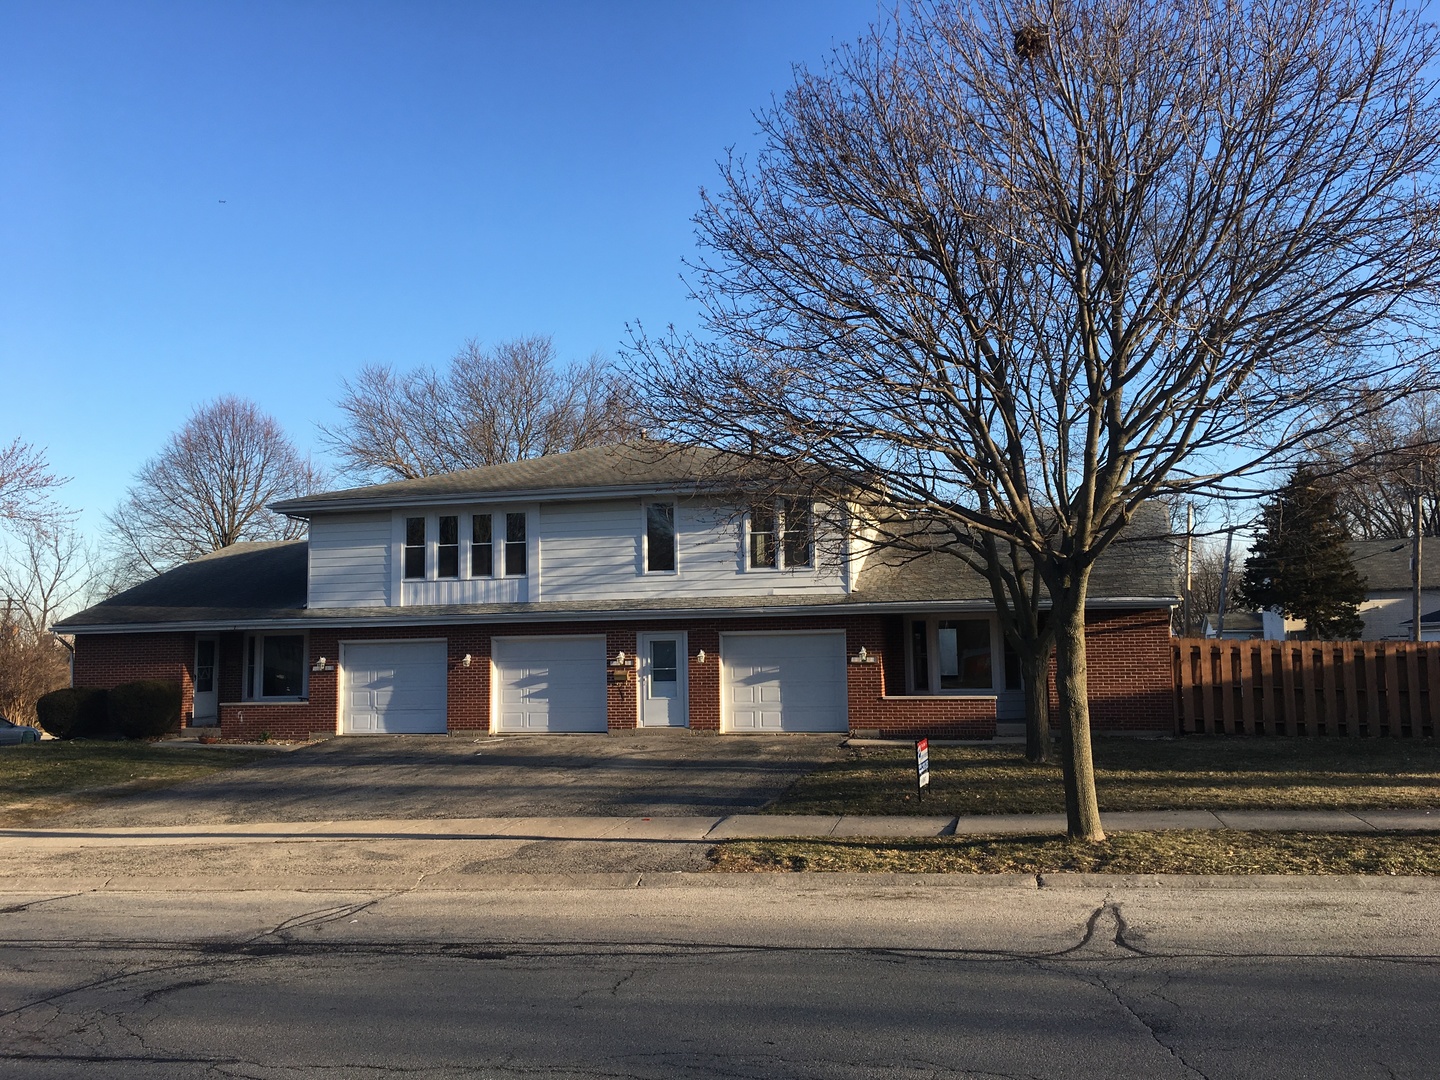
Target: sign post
[[922, 768]]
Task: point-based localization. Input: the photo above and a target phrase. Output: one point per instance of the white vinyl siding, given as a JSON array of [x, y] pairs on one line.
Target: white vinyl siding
[[595, 551], [350, 560]]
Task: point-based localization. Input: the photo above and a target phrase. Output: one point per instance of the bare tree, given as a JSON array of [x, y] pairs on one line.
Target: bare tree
[[1378, 458], [26, 485], [208, 488], [1020, 269], [489, 407], [50, 572]]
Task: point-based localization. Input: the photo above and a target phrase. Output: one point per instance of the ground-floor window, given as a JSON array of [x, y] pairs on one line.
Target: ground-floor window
[[274, 666], [957, 654]]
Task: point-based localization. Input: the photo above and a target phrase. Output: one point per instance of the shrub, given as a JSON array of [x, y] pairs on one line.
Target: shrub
[[74, 713], [145, 709]]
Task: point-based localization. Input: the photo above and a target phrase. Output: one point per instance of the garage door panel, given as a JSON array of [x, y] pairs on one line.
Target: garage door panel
[[786, 682], [395, 688], [552, 684]]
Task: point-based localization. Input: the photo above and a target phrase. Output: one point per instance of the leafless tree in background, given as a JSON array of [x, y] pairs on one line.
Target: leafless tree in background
[[26, 486], [1377, 459], [1019, 269], [208, 489], [489, 407], [49, 572]]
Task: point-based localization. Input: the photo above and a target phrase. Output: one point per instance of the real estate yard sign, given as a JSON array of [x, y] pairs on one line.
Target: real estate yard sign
[[922, 767]]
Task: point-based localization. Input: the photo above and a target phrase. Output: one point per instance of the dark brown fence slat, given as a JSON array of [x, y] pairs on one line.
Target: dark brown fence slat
[[1249, 657], [1350, 669], [1306, 687]]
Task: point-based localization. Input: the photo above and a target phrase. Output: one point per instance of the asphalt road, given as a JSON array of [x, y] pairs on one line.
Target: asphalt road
[[409, 777], [785, 976]]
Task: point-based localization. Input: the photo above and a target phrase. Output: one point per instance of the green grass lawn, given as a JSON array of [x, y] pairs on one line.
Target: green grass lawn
[[1133, 774], [39, 780], [1170, 852]]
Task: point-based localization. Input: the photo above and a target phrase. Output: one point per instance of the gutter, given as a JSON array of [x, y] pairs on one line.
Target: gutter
[[623, 615]]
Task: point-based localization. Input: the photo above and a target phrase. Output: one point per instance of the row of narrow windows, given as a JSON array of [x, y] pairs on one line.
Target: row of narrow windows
[[780, 537]]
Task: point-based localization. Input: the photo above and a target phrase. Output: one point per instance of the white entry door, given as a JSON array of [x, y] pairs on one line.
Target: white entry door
[[784, 682], [206, 710], [664, 693], [394, 688], [549, 684]]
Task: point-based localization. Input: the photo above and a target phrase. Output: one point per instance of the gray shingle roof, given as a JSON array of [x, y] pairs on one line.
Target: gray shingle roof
[[620, 466], [1385, 564]]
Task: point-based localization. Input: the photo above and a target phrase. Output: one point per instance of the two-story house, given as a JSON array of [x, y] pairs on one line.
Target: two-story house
[[601, 590]]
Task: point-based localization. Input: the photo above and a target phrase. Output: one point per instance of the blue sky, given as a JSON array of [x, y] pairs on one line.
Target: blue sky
[[258, 198]]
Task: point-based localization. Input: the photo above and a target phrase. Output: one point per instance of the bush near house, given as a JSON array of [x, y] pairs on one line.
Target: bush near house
[[145, 709], [74, 713]]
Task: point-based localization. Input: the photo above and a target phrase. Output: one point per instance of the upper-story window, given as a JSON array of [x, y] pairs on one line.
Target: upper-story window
[[414, 547], [447, 551], [659, 537], [482, 546], [781, 534], [514, 545]]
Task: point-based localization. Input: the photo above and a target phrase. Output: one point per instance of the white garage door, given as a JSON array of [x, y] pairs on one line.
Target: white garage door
[[394, 688], [549, 684], [785, 682]]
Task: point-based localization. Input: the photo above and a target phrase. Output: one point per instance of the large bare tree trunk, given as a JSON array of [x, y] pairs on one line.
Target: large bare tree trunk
[[1035, 676], [1082, 808]]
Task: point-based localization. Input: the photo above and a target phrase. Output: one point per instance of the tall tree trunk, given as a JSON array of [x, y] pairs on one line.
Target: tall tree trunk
[[1082, 808], [1035, 676]]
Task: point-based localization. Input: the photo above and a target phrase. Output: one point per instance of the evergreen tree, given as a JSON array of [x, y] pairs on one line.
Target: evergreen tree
[[1300, 564]]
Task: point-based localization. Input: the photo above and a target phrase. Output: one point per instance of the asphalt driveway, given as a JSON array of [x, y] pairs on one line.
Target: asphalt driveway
[[650, 774]]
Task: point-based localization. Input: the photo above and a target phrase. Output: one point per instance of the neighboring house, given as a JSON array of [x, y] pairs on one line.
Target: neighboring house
[[1389, 609], [1247, 626], [604, 589]]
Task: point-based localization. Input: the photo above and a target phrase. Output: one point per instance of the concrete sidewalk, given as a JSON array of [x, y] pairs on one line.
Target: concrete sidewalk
[[704, 829]]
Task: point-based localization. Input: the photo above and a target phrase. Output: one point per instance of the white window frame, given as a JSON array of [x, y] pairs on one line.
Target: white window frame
[[932, 649], [645, 505], [778, 509], [253, 681]]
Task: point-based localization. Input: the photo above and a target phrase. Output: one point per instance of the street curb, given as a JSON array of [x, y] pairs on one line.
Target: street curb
[[783, 882]]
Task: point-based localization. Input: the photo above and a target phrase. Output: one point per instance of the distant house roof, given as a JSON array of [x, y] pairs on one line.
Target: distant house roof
[[642, 464], [1385, 564]]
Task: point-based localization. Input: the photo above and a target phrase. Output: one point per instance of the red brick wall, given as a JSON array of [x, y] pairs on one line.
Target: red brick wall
[[104, 661], [1129, 667], [1129, 664]]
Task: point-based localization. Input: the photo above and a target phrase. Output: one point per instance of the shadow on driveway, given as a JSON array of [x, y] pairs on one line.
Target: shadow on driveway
[[419, 776]]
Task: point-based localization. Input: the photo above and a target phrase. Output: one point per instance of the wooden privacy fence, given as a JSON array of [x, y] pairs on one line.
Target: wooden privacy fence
[[1306, 687]]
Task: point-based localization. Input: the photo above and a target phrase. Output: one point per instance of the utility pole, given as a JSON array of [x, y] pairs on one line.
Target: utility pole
[[1418, 634], [1189, 545], [1225, 580]]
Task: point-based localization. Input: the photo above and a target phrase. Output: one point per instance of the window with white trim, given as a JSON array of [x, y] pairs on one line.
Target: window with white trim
[[482, 546], [515, 545], [659, 538], [952, 655], [275, 667], [447, 549], [414, 548], [781, 535]]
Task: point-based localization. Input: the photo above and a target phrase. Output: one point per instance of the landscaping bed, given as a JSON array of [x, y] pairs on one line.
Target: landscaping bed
[[1197, 772], [1169, 852], [40, 780]]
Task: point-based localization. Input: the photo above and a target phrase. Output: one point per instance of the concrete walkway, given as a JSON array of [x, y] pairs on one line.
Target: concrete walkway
[[705, 829]]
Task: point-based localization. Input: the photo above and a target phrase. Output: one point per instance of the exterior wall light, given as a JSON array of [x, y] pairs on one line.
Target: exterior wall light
[[619, 660], [466, 660], [862, 657], [700, 657]]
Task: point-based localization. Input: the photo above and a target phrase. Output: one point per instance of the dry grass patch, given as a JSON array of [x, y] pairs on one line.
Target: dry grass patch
[[1197, 772], [1169, 852], [40, 780]]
